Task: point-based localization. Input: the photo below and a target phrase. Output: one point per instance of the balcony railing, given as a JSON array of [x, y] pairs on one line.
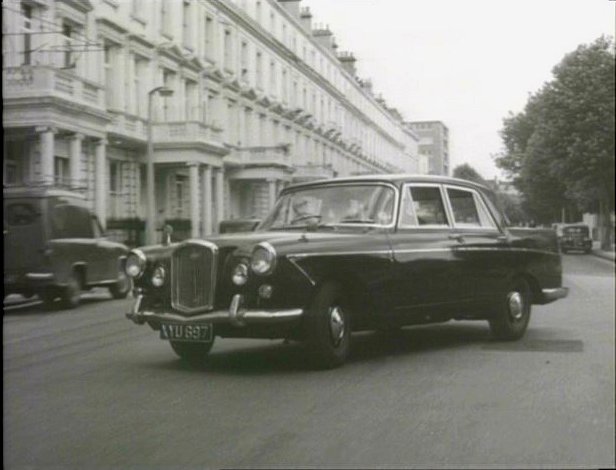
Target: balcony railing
[[313, 172], [42, 81], [265, 156], [186, 131]]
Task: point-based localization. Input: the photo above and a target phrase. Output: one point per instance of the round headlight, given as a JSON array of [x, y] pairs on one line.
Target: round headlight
[[158, 276], [135, 263], [240, 274], [263, 259]]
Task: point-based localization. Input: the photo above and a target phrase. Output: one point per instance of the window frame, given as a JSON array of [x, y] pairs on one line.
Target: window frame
[[478, 202], [404, 201]]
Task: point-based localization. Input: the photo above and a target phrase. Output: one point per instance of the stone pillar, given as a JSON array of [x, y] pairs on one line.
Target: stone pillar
[[207, 200], [75, 161], [100, 173], [47, 154], [220, 196], [195, 221], [272, 193]]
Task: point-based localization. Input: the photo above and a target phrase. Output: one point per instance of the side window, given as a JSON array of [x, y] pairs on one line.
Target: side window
[[468, 210], [423, 206], [20, 213], [71, 222]]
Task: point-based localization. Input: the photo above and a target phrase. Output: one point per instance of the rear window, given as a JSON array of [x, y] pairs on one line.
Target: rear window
[[20, 213]]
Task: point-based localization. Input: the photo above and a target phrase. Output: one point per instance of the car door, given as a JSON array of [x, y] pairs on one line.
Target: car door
[[106, 263], [481, 250], [427, 275]]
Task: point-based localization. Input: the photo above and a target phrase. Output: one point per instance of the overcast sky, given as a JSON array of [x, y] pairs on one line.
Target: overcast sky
[[464, 62]]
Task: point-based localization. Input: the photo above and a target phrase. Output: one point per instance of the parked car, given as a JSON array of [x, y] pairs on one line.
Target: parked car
[[350, 254], [55, 247], [576, 238]]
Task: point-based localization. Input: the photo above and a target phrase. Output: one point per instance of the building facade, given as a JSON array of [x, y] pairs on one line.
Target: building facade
[[433, 144], [260, 98]]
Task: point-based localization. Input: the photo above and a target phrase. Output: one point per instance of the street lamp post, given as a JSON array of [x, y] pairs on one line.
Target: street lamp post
[[150, 223]]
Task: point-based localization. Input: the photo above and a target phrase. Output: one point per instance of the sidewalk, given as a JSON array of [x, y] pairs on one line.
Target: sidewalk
[[611, 255]]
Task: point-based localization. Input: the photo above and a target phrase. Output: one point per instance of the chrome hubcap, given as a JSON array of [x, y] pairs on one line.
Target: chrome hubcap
[[336, 324], [515, 303]]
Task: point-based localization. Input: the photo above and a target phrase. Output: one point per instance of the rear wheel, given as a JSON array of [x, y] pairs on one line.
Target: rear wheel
[[513, 312], [71, 292], [328, 327], [195, 353]]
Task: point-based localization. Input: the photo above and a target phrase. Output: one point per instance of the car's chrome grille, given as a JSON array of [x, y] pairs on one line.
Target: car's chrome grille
[[193, 276]]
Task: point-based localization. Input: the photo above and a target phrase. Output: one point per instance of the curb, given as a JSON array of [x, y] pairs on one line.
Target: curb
[[608, 255]]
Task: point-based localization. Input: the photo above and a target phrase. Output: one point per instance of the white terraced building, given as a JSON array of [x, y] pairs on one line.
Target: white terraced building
[[260, 99]]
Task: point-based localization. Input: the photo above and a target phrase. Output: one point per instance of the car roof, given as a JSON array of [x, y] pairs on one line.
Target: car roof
[[395, 178], [41, 192]]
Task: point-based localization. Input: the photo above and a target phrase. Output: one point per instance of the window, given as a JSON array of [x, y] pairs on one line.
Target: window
[[26, 12], [71, 222], [186, 24], [228, 50], [115, 176], [165, 20], [259, 69], [20, 214], [244, 60], [467, 209], [60, 170], [68, 33], [422, 206], [209, 36], [273, 79]]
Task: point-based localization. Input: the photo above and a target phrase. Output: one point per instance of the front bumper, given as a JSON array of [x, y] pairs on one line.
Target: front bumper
[[235, 315], [550, 295]]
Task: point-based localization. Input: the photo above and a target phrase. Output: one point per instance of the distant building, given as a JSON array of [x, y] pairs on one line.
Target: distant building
[[261, 99], [434, 144]]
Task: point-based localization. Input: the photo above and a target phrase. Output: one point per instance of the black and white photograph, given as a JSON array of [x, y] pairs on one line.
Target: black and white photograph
[[309, 234]]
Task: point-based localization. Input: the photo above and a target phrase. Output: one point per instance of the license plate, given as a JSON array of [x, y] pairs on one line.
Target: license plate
[[192, 333]]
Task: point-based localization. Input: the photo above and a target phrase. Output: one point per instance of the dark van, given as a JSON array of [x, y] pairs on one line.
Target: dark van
[[54, 247]]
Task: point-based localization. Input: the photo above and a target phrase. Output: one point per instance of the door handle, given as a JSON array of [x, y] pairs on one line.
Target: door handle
[[457, 237]]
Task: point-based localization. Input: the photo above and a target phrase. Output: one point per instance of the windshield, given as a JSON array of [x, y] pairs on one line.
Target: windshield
[[579, 230], [365, 204]]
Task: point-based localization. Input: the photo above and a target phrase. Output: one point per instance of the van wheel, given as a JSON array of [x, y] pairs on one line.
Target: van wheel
[[328, 328], [513, 312], [71, 292], [120, 289], [48, 296]]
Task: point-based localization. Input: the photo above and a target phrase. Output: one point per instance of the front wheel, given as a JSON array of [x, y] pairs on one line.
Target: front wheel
[[513, 312], [71, 292], [121, 288], [194, 353], [328, 327]]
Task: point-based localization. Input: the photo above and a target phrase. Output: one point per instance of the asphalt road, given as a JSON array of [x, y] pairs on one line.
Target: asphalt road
[[88, 389]]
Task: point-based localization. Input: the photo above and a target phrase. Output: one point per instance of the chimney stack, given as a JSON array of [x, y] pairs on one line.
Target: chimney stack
[[292, 6], [305, 18], [347, 59], [324, 37]]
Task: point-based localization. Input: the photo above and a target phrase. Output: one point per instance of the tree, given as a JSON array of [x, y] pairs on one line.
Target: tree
[[560, 149], [509, 205], [467, 172]]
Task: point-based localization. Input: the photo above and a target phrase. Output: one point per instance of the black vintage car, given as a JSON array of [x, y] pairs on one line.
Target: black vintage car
[[349, 254], [55, 247], [576, 238]]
